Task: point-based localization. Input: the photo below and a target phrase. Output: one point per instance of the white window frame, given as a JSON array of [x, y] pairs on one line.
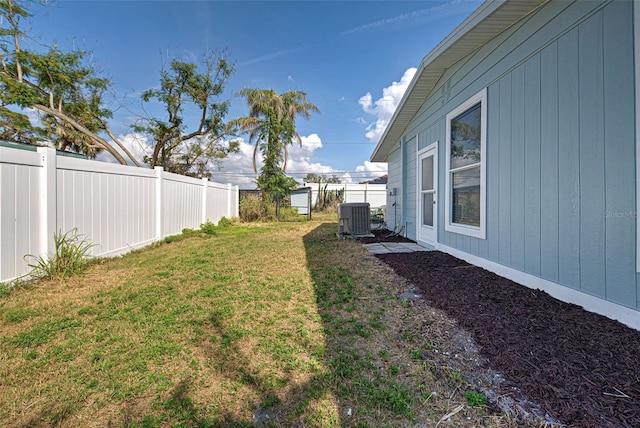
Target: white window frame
[[433, 146], [449, 226]]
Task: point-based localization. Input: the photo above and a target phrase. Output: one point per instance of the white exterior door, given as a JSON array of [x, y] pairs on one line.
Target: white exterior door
[[427, 185]]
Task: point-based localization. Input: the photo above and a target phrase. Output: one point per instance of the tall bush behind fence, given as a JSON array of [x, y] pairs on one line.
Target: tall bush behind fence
[[118, 208]]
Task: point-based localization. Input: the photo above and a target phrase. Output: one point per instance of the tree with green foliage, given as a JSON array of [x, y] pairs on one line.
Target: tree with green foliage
[[68, 92], [271, 128], [185, 90], [64, 87], [322, 178]]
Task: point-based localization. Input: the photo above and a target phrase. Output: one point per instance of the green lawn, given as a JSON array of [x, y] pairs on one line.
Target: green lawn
[[279, 324]]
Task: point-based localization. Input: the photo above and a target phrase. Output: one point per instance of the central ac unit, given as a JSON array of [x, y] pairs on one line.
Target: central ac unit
[[354, 219]]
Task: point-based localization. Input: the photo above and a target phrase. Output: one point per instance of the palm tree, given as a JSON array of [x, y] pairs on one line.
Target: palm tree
[[271, 128]]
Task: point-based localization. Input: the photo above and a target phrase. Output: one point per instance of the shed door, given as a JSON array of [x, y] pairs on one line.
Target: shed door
[[427, 185]]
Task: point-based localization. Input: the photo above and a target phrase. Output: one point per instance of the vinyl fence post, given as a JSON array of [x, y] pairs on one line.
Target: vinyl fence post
[[48, 200], [159, 185], [229, 199], [236, 201], [205, 182]]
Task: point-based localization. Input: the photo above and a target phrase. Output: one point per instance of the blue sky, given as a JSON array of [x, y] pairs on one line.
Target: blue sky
[[353, 59]]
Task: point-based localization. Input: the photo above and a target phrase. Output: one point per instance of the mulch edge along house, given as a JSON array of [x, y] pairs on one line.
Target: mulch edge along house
[[516, 147]]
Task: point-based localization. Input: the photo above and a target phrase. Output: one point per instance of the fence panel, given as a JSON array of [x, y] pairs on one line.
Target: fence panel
[[234, 201], [375, 194], [19, 213], [112, 205], [180, 195], [117, 207], [221, 202]]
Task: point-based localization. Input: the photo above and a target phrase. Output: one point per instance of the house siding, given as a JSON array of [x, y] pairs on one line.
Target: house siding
[[411, 187], [560, 131], [394, 202]]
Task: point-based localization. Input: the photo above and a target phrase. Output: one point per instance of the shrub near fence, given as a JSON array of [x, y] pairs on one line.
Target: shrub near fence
[[118, 208]]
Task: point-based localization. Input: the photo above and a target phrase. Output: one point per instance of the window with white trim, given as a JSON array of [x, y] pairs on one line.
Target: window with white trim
[[465, 166]]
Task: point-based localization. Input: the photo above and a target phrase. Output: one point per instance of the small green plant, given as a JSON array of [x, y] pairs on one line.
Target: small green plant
[[475, 398], [407, 335], [70, 257], [172, 238], [211, 229], [224, 222], [189, 232], [5, 288], [416, 354], [208, 228], [456, 377]]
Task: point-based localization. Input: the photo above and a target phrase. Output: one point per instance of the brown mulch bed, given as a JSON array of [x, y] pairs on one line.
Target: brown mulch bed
[[384, 235], [580, 368]]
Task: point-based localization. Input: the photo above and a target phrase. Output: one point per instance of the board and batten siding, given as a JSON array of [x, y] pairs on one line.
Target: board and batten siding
[[560, 147], [393, 214]]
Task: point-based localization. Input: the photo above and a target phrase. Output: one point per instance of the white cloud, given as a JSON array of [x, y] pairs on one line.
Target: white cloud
[[237, 168], [373, 167], [138, 144], [269, 57], [384, 107], [419, 17], [370, 170]]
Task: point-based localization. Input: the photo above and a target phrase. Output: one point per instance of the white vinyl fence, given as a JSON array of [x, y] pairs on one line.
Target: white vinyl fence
[[116, 207], [375, 194]]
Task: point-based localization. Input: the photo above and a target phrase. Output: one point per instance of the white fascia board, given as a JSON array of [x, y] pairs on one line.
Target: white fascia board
[[437, 62], [484, 10]]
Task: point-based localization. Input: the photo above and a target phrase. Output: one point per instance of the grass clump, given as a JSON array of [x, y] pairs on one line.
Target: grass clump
[[224, 223], [475, 398], [207, 228], [70, 256]]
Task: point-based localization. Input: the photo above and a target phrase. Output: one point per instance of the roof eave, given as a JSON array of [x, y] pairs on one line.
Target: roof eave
[[470, 35]]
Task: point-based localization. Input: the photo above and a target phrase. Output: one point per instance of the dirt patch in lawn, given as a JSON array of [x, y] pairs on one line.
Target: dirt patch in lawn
[[552, 361]]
